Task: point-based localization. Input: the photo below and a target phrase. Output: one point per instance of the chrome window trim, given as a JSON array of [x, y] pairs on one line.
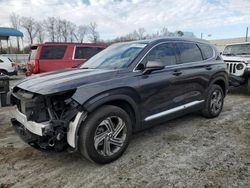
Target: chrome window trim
[[181, 64], [172, 110]]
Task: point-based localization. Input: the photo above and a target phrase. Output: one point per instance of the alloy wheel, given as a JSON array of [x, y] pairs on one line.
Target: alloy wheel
[[110, 136], [216, 101]]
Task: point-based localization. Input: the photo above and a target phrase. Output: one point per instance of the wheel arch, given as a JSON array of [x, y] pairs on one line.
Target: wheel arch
[[222, 81], [120, 100]]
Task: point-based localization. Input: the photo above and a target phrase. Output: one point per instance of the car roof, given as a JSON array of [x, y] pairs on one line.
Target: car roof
[[68, 43], [163, 39]]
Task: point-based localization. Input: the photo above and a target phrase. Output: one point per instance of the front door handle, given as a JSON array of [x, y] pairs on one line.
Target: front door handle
[[177, 73]]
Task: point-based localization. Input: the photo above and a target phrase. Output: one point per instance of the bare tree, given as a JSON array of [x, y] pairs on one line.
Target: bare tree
[[72, 29], [40, 32], [65, 31], [81, 33], [59, 29], [141, 32], [50, 24], [15, 23], [93, 33], [165, 33], [29, 25]]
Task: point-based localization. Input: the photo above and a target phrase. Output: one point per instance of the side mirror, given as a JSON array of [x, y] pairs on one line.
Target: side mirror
[[153, 66], [220, 53]]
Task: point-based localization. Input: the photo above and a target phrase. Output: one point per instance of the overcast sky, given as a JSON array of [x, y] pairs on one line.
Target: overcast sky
[[220, 18]]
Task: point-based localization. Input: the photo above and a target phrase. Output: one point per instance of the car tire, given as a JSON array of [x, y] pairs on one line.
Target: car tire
[[105, 134], [214, 102]]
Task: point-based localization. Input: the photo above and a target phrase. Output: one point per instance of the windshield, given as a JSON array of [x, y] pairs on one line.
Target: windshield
[[115, 57], [239, 49]]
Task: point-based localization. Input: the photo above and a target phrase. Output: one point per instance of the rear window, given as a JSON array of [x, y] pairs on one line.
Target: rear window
[[33, 50], [83, 52], [206, 50], [189, 52], [53, 52]]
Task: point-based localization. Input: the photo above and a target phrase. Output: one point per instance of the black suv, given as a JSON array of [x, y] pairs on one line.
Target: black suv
[[125, 88]]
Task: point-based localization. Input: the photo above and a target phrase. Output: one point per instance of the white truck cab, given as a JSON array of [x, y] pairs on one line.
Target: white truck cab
[[237, 58]]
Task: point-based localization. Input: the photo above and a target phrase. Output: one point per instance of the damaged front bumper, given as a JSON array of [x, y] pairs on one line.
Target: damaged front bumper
[[47, 122], [41, 136]]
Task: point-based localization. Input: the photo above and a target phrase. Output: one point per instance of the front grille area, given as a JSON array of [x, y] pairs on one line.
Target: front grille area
[[234, 69], [31, 105], [231, 67]]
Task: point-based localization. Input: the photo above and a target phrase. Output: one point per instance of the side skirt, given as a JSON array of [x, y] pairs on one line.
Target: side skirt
[[173, 110]]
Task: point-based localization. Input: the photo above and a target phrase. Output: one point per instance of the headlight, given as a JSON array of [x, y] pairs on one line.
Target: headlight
[[239, 66]]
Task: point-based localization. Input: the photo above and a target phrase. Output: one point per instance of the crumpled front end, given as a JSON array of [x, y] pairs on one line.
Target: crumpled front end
[[46, 122]]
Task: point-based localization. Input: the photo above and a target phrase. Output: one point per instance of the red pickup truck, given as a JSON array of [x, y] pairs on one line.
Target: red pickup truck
[[55, 56]]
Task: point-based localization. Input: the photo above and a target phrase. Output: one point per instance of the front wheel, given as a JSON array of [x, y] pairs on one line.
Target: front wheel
[[214, 102], [105, 135]]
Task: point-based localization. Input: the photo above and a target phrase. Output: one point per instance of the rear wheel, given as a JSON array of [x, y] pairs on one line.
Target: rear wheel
[[214, 102], [105, 135]]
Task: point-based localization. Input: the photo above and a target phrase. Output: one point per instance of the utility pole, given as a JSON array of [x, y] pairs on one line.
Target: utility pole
[[246, 34], [201, 35]]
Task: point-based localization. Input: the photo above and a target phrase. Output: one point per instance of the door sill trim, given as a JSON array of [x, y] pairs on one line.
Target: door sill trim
[[173, 110]]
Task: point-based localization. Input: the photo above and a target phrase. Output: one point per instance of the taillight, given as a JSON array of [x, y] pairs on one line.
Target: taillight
[[35, 66], [13, 64]]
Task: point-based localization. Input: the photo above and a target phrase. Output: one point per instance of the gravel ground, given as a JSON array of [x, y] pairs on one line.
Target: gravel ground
[[190, 151]]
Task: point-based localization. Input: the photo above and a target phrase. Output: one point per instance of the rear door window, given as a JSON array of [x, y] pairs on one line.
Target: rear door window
[[188, 52], [53, 52], [206, 50], [83, 52], [164, 53]]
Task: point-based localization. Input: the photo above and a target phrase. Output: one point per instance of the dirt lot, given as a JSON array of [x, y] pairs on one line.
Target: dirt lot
[[187, 152]]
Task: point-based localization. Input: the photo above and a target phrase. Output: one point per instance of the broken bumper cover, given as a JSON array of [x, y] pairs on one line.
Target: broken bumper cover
[[41, 136], [35, 128]]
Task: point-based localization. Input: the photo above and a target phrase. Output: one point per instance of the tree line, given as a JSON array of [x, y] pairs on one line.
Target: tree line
[[55, 29]]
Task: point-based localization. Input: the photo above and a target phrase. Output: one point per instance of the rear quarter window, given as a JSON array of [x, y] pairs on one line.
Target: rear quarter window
[[189, 52], [33, 51], [53, 52], [83, 52], [206, 51]]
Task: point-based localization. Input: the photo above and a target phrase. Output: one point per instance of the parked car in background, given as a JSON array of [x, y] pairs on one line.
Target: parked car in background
[[237, 58], [55, 56], [7, 66], [125, 88]]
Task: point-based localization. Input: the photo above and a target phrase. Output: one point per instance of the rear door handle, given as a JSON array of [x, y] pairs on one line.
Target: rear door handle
[[208, 67], [177, 73]]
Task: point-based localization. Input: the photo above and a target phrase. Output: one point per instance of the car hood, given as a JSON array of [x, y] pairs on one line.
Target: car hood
[[236, 58], [58, 81]]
